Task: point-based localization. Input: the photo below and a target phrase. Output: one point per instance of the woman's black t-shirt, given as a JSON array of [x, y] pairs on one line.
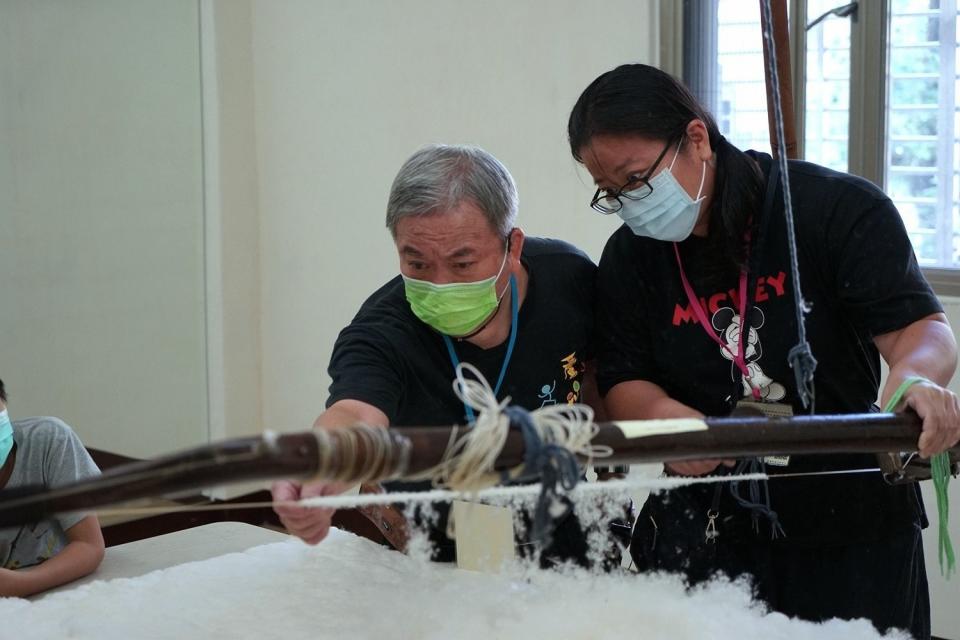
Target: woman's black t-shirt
[[860, 279]]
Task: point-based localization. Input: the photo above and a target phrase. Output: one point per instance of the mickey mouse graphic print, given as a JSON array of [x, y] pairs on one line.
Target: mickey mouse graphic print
[[731, 326]]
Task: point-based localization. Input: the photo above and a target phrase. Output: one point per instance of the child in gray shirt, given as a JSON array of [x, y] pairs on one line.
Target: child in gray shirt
[[36, 557]]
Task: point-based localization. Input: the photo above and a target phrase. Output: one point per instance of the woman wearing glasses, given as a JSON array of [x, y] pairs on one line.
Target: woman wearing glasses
[[697, 316]]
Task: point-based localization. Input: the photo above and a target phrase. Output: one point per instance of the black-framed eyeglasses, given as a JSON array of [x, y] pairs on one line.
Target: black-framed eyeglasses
[[608, 201]]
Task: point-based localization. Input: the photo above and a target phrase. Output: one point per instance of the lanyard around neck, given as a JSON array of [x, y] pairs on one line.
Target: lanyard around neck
[[739, 358], [514, 314]]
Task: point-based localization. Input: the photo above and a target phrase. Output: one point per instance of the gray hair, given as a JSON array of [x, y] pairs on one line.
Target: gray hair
[[440, 177]]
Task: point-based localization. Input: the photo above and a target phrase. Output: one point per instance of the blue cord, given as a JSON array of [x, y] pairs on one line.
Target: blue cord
[[514, 316], [550, 462]]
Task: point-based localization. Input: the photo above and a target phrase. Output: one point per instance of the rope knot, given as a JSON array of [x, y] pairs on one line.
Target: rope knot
[[803, 364], [553, 464]]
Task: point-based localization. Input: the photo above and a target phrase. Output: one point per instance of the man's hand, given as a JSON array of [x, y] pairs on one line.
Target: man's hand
[[310, 524], [940, 410], [925, 348]]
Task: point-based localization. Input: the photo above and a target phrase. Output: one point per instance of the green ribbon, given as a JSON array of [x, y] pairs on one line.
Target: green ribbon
[[940, 473]]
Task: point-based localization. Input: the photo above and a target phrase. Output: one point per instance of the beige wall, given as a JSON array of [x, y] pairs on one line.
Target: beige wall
[[101, 220], [231, 192], [345, 91], [192, 191]]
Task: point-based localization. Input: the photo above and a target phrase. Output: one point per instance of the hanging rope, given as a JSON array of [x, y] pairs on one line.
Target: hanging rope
[[940, 470], [758, 502], [800, 356]]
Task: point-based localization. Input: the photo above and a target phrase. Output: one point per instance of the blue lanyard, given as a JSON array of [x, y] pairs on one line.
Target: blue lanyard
[[514, 313]]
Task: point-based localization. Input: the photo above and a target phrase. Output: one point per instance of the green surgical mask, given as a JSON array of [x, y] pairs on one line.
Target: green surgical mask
[[456, 308]]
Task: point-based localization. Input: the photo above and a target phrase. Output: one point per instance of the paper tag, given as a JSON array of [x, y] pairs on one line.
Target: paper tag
[[484, 536], [770, 410], [644, 428]]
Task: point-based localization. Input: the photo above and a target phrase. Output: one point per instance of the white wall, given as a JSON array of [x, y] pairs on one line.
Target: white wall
[[101, 220], [231, 189], [185, 254], [346, 91]]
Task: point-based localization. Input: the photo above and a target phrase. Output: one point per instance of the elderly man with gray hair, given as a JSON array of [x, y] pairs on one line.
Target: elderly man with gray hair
[[471, 289]]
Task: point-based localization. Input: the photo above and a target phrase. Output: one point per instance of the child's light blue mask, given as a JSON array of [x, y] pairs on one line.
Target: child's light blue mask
[[6, 436]]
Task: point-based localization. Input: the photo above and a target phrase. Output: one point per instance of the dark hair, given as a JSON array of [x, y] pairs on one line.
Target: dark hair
[[642, 100], [3, 392]]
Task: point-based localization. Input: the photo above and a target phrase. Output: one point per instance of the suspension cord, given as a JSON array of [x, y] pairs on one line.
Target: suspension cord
[[800, 356]]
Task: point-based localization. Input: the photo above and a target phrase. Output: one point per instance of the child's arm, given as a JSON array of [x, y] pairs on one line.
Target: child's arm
[[81, 556]]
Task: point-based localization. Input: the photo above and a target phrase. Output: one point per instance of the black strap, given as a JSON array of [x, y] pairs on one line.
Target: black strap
[[766, 214]]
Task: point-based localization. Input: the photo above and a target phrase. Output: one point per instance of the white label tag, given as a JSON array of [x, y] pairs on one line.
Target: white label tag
[[644, 428], [777, 461], [484, 536], [771, 410]]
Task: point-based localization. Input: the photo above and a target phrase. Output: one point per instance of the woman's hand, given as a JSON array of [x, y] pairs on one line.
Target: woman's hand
[[925, 348], [696, 467], [940, 410]]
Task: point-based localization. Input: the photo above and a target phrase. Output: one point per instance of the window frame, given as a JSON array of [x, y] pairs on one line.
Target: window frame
[[869, 34]]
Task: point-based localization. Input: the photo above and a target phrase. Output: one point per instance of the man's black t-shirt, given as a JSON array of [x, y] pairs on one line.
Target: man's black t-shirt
[[388, 358], [860, 278]]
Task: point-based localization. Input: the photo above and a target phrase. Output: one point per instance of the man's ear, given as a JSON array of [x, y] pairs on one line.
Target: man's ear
[[515, 243]]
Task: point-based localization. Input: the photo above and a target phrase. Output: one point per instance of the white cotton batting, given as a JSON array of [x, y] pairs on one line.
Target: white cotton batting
[[348, 587]]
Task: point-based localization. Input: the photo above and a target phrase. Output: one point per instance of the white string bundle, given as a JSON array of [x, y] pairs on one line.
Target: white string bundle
[[470, 459]]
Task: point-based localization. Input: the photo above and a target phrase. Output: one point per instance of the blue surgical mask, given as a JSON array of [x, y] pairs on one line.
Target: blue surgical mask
[[668, 213], [6, 436]]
